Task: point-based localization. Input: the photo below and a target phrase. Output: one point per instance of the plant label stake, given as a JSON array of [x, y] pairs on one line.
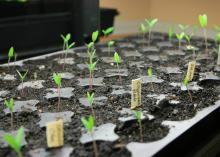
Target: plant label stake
[[136, 93], [218, 62], [55, 134], [191, 70]]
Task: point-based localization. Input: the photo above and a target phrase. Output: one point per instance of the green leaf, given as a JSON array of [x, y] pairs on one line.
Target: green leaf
[[88, 124], [10, 104], [90, 45], [180, 36], [22, 77], [183, 27], [95, 36], [90, 98], [71, 45], [57, 79], [203, 20], [188, 38], [151, 23], [19, 137], [186, 82], [11, 52], [138, 115], [143, 28], [217, 37], [117, 58], [150, 72], [9, 139], [108, 31], [111, 43]]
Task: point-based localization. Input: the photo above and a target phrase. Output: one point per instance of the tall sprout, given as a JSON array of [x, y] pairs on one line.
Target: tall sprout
[[10, 105], [151, 24], [57, 79], [203, 20]]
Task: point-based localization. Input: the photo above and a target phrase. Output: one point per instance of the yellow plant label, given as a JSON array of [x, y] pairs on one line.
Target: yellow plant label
[[191, 70], [55, 134], [136, 93], [218, 62]]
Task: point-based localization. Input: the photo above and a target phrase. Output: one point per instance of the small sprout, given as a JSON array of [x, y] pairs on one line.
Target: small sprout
[[151, 24], [90, 98], [22, 77], [180, 38], [186, 83], [10, 106], [183, 28], [117, 60], [90, 47], [143, 30], [108, 31], [15, 142], [170, 33], [138, 115], [91, 66], [66, 45], [193, 49], [110, 44], [188, 38], [89, 125], [150, 75], [57, 79], [10, 54], [203, 20], [95, 36]]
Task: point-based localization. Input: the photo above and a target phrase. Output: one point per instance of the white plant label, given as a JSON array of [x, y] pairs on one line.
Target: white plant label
[[191, 70], [136, 93], [55, 134]]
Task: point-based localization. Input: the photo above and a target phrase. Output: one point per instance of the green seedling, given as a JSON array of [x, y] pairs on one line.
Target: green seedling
[[143, 30], [188, 38], [91, 66], [110, 44], [22, 77], [66, 44], [89, 125], [170, 33], [10, 105], [107, 31], [90, 98], [150, 75], [10, 54], [138, 115], [95, 36], [90, 47], [186, 83], [193, 49], [151, 24], [203, 20], [15, 142], [183, 28], [117, 60], [180, 38], [57, 79]]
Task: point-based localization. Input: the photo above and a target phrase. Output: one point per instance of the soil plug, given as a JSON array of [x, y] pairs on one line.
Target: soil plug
[[91, 66], [89, 125], [180, 38], [57, 79], [110, 44], [143, 30], [90, 98], [107, 31], [170, 34], [22, 77], [203, 20], [117, 60], [138, 115], [10, 106], [10, 54], [15, 142], [151, 24], [66, 45], [150, 74], [186, 83]]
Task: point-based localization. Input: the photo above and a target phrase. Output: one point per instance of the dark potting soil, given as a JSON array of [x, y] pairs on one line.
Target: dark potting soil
[[109, 112]]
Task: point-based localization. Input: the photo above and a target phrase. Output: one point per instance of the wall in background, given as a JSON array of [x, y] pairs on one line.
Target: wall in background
[[132, 12]]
